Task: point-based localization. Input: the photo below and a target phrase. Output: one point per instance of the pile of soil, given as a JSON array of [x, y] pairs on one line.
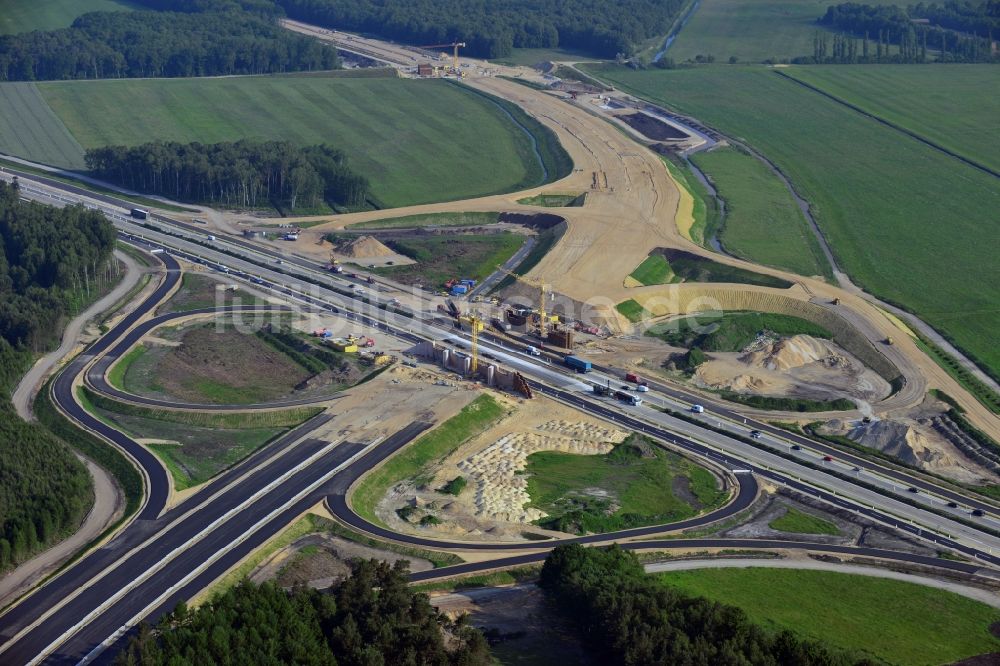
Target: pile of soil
[[914, 443], [794, 352], [363, 247], [652, 128]]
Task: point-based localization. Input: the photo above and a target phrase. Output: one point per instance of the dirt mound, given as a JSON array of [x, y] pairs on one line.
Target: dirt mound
[[914, 443], [793, 352], [363, 247]]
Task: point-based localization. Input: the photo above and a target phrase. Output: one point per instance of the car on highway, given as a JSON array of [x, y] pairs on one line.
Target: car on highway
[[978, 513], [642, 388], [697, 409], [912, 489], [796, 447], [952, 505], [755, 434], [827, 458], [857, 469]]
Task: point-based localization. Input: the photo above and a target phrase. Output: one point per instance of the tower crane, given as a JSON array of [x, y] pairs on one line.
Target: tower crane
[[542, 289], [453, 45]]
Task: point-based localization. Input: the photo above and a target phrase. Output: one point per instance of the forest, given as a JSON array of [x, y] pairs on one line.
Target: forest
[[244, 174], [204, 39], [370, 618], [624, 617], [50, 260], [953, 32], [491, 28]]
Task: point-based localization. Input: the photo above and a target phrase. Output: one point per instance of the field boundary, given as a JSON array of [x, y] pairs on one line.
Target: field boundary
[[888, 123]]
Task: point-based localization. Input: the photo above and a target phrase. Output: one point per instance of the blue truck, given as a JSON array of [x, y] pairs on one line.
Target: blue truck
[[578, 364]]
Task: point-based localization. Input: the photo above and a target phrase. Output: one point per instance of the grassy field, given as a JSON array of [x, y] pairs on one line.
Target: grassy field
[[30, 129], [751, 30], [534, 56], [200, 291], [398, 133], [210, 366], [430, 220], [195, 446], [856, 613], [942, 104], [681, 266], [763, 222], [636, 484], [799, 522], [731, 331], [907, 222], [440, 258], [705, 210], [474, 418], [631, 310], [28, 15]]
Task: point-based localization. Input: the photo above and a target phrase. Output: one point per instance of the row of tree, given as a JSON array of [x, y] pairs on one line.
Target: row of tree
[[626, 617], [371, 618], [954, 32], [194, 42], [491, 28], [245, 174], [50, 261]]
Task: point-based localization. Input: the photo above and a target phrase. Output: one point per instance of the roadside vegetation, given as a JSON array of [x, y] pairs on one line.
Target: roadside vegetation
[[782, 404], [705, 209], [484, 154], [852, 170], [763, 222], [430, 220], [800, 522], [638, 483], [680, 266], [195, 446], [413, 461], [200, 291], [555, 200], [858, 614], [459, 256]]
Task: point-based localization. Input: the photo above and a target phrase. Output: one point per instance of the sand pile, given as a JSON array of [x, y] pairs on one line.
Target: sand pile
[[914, 443], [501, 491], [793, 352], [363, 247]]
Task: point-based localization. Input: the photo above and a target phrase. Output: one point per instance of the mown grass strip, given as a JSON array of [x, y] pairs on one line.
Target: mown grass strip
[[800, 522], [474, 418]]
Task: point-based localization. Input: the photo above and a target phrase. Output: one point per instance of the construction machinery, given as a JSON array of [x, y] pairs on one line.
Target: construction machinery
[[543, 289], [453, 45], [475, 328]]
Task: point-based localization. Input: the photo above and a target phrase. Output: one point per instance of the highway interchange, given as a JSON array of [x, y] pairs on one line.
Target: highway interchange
[[164, 556]]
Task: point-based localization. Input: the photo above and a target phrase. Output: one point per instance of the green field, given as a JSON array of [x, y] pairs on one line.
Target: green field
[[680, 266], [946, 105], [731, 331], [636, 484], [631, 310], [430, 220], [800, 522], [751, 30], [412, 461], [763, 223], [401, 134], [555, 200], [856, 613], [440, 258], [907, 222], [531, 57], [29, 128], [28, 15]]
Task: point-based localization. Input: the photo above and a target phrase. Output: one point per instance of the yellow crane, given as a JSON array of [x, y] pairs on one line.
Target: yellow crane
[[453, 45], [476, 325], [542, 289]]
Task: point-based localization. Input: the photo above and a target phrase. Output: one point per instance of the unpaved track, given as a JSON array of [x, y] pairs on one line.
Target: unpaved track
[[108, 500]]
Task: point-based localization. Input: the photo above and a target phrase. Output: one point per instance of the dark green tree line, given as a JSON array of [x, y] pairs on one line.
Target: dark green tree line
[[50, 259], [244, 174], [491, 28], [627, 617], [205, 39], [370, 619]]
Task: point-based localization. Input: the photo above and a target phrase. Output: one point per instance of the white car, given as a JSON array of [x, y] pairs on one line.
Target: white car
[[642, 388], [697, 409]]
